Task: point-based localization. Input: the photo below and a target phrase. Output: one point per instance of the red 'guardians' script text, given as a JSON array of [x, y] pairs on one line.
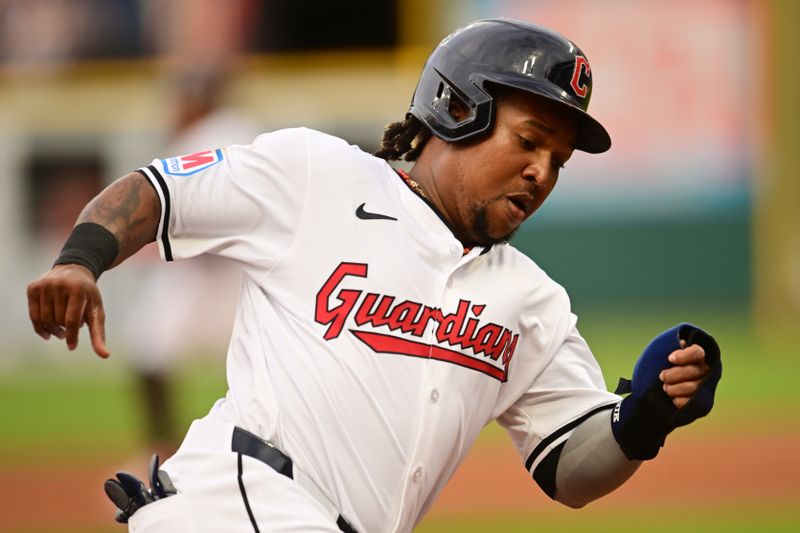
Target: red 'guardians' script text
[[491, 345]]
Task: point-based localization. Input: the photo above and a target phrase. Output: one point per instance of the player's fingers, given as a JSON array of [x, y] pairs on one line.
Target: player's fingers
[[74, 319], [34, 311], [59, 332], [680, 402], [677, 374], [684, 389], [687, 356], [59, 299], [46, 312], [96, 320]]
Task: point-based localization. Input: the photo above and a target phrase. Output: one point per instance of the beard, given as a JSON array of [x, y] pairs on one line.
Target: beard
[[480, 228]]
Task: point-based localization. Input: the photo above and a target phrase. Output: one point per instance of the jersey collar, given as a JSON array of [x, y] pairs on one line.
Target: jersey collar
[[415, 188]]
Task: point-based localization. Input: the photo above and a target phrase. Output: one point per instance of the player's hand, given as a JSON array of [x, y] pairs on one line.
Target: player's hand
[[62, 300], [683, 380]]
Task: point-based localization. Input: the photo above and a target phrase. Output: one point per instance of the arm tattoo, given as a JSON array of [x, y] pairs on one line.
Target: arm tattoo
[[129, 208]]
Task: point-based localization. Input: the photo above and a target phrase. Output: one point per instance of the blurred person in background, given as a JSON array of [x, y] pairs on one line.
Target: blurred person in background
[[199, 42], [201, 293]]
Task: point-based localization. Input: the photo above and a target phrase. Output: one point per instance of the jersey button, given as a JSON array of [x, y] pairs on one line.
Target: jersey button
[[434, 395], [417, 474]]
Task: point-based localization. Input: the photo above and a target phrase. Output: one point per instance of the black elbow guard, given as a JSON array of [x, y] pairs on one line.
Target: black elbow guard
[[545, 473], [642, 420]]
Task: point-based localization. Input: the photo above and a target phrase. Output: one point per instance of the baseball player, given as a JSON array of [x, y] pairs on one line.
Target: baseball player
[[383, 319]]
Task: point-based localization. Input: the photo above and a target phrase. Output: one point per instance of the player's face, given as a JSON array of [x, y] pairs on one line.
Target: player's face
[[492, 185]]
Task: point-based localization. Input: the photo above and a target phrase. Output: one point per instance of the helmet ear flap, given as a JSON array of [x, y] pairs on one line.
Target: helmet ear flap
[[452, 111], [441, 102], [448, 103]]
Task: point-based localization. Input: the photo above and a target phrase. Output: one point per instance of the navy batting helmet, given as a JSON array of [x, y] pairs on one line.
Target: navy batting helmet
[[508, 52]]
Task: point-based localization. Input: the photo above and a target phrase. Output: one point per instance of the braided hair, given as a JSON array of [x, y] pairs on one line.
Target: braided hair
[[403, 140]]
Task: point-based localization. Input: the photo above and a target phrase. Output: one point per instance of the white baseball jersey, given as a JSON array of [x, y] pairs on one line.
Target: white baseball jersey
[[367, 346]]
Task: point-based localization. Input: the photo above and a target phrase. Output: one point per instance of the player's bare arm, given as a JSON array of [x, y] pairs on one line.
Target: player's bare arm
[[129, 208], [112, 227]]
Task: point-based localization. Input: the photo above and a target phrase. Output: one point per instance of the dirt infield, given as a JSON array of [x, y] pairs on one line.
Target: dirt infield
[[725, 469], [711, 470]]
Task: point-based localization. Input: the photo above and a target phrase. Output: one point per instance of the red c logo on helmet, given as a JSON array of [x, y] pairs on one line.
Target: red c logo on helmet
[[580, 88]]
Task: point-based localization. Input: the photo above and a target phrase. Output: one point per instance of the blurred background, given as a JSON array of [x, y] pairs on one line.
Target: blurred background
[[692, 216]]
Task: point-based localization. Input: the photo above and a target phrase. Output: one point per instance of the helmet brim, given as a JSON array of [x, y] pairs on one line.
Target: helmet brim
[[591, 137]]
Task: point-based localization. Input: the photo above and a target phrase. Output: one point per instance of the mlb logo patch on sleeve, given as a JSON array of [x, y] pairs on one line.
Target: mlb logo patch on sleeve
[[186, 165]]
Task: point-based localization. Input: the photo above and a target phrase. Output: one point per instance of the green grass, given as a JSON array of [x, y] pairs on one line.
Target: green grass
[[756, 379], [692, 518], [756, 374], [89, 413], [745, 518]]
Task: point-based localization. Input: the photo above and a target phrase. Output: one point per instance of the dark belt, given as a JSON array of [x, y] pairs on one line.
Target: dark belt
[[246, 443]]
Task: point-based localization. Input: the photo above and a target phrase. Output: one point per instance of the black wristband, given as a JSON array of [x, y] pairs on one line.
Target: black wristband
[[90, 245], [641, 425]]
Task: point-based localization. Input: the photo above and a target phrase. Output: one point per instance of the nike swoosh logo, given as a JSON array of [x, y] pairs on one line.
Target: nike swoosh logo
[[366, 215]]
